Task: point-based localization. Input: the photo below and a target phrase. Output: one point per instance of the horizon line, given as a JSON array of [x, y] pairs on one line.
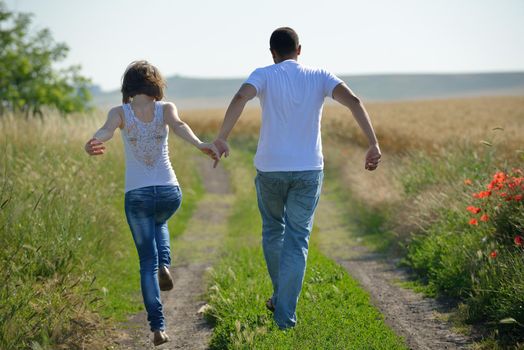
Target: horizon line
[[193, 77]]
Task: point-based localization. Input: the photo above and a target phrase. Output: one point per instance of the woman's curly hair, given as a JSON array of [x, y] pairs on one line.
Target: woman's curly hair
[[141, 77]]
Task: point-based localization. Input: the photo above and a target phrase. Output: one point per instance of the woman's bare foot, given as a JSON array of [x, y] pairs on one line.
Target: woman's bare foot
[[165, 281], [160, 337]]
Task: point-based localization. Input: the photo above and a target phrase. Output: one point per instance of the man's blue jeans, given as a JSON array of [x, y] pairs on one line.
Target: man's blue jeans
[[287, 203], [147, 211]]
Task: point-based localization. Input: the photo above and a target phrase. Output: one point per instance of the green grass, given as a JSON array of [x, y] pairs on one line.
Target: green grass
[[453, 258], [451, 165], [449, 256], [68, 262], [370, 225], [333, 311], [192, 189]]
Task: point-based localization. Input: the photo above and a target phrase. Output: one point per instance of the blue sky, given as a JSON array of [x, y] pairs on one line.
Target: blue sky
[[230, 38]]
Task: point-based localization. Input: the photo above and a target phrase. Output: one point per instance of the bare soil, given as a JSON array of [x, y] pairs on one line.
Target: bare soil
[[192, 253], [419, 320]]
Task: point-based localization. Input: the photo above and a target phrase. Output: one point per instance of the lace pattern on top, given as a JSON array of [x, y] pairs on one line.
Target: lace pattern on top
[[146, 140]]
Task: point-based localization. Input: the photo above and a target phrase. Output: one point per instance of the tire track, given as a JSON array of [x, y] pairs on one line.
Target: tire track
[[417, 319]]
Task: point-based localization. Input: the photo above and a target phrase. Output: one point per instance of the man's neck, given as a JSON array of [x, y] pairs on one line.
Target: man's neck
[[285, 58]]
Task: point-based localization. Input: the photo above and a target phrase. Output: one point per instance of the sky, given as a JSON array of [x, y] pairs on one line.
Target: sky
[[230, 38]]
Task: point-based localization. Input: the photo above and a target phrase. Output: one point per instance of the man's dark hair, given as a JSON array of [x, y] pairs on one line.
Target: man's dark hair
[[284, 41]]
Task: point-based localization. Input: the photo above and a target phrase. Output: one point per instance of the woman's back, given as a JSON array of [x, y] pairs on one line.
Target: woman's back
[[146, 149]]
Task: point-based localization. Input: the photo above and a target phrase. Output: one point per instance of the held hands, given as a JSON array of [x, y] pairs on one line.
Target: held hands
[[210, 150], [372, 157], [223, 149], [94, 147]]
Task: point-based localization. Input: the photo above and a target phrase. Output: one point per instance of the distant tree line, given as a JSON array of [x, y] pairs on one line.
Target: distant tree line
[[28, 79]]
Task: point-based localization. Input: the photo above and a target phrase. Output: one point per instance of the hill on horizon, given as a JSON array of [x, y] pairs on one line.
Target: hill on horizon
[[201, 93]]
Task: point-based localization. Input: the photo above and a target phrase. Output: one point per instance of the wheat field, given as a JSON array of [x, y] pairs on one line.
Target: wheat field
[[404, 126]]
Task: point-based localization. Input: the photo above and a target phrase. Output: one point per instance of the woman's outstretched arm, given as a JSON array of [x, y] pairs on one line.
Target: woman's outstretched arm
[[95, 146], [182, 130]]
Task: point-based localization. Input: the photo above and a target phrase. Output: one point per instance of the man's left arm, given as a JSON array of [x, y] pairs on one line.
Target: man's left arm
[[343, 95]]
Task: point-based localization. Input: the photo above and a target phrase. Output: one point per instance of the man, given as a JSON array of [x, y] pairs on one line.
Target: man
[[289, 159]]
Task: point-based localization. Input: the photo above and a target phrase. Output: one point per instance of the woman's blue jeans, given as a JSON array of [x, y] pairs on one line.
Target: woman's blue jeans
[[147, 211], [287, 202]]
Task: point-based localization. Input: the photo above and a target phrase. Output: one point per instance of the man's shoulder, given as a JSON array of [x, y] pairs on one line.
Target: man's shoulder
[[276, 67], [265, 68], [263, 73], [313, 69]]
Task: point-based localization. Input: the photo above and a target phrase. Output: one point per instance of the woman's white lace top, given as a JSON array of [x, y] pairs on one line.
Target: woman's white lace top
[[146, 148]]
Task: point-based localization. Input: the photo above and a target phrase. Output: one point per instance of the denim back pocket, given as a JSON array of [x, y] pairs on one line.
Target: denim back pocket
[[168, 200], [306, 190], [139, 202]]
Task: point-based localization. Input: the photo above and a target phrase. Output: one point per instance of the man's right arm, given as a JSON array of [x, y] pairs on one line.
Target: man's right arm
[[244, 94], [343, 95]]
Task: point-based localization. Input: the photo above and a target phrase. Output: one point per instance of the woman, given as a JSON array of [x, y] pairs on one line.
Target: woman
[[152, 192]]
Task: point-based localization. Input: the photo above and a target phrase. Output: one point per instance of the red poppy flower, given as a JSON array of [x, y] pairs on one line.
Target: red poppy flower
[[484, 218], [473, 210], [473, 221], [500, 177], [493, 254], [482, 194], [517, 197], [518, 240]]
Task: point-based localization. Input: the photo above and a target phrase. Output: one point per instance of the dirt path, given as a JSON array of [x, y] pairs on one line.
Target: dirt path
[[192, 253], [419, 320]]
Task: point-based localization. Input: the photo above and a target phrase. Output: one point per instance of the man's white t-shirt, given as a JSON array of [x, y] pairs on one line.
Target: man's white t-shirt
[[292, 98]]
